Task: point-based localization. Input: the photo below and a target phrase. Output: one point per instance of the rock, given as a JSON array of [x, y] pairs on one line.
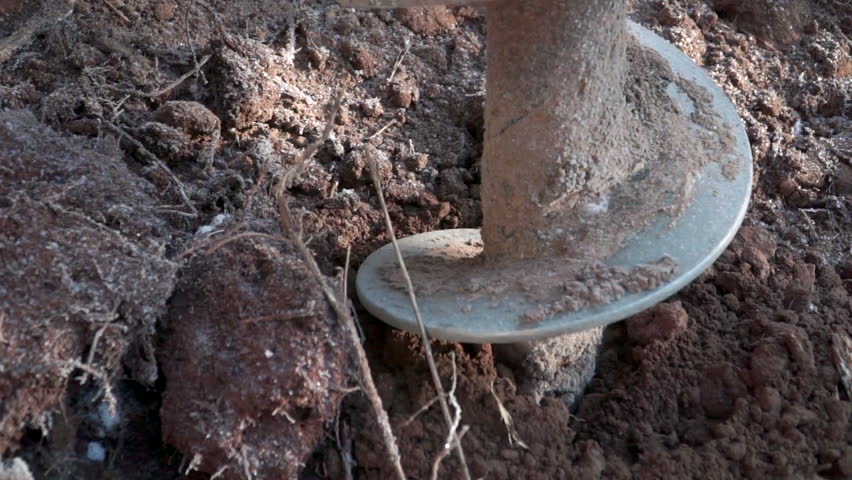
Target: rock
[[81, 251], [252, 355], [191, 118], [372, 108], [164, 10], [662, 322], [417, 162]]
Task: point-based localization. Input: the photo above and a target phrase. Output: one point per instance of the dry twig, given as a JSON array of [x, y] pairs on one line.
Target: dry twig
[[381, 130], [150, 157], [340, 306], [399, 60], [514, 438], [118, 12], [430, 358], [454, 435], [112, 403], [159, 93]]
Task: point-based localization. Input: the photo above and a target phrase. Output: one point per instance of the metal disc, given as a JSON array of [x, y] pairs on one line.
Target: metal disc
[[697, 239]]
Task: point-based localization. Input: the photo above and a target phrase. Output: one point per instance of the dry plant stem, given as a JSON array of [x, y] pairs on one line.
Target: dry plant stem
[[105, 382], [430, 359], [380, 131], [420, 411], [454, 435], [436, 464], [158, 93], [342, 312], [94, 348], [159, 163], [399, 60], [339, 305], [115, 9]]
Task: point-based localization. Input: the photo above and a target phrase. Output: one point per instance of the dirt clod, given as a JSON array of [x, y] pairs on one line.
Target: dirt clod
[[659, 323], [254, 370]]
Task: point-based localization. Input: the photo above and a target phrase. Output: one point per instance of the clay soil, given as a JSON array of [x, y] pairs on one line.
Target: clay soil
[[118, 172]]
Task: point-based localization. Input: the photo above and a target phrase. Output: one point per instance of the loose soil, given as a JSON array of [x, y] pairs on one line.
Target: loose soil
[[110, 174]]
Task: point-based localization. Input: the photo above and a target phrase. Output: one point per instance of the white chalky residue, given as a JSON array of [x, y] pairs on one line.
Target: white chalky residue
[[96, 452], [217, 220], [596, 207]]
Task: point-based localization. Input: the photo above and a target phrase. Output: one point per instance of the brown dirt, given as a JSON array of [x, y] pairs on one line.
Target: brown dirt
[[240, 391], [743, 385]]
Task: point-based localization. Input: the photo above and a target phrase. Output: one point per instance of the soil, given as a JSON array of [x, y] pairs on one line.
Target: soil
[[112, 194]]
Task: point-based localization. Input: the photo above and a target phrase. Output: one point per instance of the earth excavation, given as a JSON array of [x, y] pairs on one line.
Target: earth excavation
[[374, 239]]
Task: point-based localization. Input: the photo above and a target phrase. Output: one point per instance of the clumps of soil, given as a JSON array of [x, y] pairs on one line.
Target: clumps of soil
[[183, 131], [711, 399], [661, 322], [85, 276], [253, 360], [780, 22]]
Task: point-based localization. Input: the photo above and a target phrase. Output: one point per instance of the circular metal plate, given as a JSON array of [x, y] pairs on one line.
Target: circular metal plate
[[697, 239]]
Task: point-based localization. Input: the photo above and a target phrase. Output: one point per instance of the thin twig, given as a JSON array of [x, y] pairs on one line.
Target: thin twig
[[94, 348], [158, 93], [159, 163], [112, 404], [420, 411], [436, 464], [117, 11], [430, 358], [219, 472], [399, 60], [344, 288], [453, 435], [340, 306], [381, 130]]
